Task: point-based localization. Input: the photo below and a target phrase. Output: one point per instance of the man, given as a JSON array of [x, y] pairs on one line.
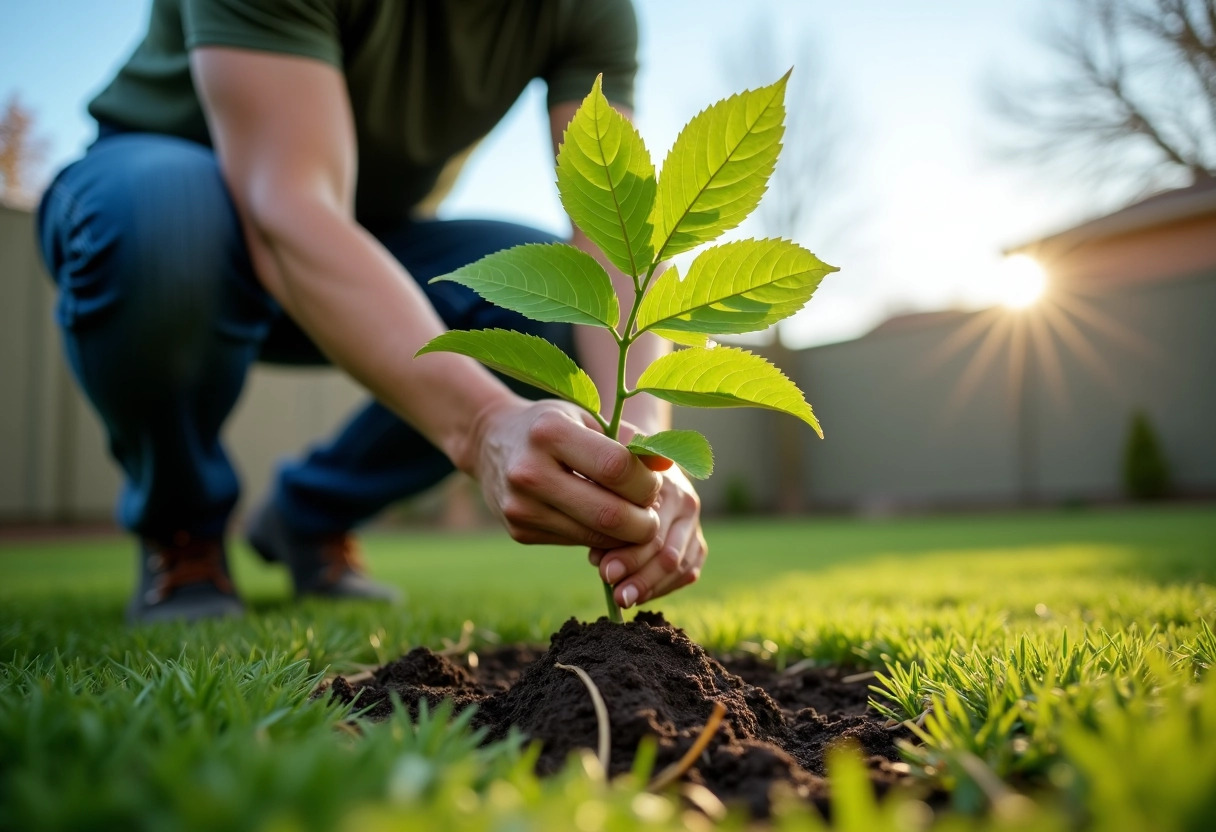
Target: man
[[253, 195]]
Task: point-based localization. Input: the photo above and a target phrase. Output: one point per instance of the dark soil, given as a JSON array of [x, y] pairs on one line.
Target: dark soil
[[655, 682]]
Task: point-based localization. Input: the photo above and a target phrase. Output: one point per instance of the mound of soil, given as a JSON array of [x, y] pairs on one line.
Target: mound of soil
[[655, 682]]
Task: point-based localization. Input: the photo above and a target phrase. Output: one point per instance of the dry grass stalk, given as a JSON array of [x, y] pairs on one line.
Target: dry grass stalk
[[676, 770], [601, 713]]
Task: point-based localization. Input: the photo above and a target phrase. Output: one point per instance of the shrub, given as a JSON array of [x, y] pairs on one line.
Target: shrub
[[1146, 474]]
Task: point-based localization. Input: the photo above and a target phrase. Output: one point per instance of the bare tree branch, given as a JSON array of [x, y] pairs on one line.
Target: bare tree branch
[[807, 176], [1132, 98]]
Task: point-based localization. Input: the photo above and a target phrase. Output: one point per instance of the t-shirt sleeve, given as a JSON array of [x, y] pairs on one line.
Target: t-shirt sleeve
[[600, 36], [307, 28]]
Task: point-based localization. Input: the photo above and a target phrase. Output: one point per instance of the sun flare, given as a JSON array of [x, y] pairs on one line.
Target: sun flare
[[1023, 281]]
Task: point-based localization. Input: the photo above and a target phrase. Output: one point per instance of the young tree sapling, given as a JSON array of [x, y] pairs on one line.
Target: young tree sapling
[[713, 177]]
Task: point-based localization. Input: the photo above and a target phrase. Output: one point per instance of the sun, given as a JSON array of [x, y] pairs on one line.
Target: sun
[[1022, 281]]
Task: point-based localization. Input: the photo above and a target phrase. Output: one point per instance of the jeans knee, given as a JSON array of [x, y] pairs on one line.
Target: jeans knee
[[142, 232]]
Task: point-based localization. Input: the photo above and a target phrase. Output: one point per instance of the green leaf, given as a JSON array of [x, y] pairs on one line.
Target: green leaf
[[743, 286], [686, 448], [545, 282], [687, 339], [718, 168], [724, 377], [528, 358], [607, 184]]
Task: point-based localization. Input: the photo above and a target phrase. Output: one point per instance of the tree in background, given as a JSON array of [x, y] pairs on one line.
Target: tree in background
[[1146, 474], [21, 154], [1131, 101]]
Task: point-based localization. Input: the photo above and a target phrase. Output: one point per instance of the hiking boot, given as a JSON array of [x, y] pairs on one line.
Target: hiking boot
[[327, 566], [182, 579]]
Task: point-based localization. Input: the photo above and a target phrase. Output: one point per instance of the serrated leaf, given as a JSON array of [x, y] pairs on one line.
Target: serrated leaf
[[718, 168], [528, 358], [744, 286], [686, 448], [724, 377], [607, 183], [687, 339], [545, 282]]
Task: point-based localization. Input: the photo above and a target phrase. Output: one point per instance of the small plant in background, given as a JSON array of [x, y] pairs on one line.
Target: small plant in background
[[737, 496], [713, 177], [1146, 474]]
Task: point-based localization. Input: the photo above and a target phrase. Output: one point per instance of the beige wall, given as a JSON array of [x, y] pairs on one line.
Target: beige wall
[[1152, 347], [904, 423], [932, 416]]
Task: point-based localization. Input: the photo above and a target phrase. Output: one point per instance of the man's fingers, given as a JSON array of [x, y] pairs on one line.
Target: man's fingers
[[689, 572], [672, 560], [657, 567], [531, 521], [604, 512], [619, 564], [581, 501], [676, 563], [602, 460]]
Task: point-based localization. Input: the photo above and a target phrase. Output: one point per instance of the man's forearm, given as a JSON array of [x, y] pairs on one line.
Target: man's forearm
[[285, 139], [599, 355], [370, 318]]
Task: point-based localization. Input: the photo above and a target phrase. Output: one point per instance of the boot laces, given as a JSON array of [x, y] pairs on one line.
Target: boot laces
[[186, 561], [341, 554]]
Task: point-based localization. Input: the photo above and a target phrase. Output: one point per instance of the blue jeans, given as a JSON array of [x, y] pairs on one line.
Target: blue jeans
[[162, 316]]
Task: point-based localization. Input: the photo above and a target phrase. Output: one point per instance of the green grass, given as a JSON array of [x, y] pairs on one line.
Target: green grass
[[1062, 659]]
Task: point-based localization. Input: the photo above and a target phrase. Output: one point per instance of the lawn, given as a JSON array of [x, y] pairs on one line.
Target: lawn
[[1063, 657]]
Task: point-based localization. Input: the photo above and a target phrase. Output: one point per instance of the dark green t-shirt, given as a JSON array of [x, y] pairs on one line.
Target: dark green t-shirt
[[427, 78]]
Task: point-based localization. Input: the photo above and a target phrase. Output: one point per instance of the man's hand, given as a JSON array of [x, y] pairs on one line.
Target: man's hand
[[551, 476], [673, 559]]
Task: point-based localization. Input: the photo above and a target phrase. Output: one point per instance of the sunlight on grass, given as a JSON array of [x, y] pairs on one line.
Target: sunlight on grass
[[1034, 648]]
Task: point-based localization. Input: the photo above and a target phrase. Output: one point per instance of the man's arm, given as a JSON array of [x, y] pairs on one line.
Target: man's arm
[[284, 135], [674, 558]]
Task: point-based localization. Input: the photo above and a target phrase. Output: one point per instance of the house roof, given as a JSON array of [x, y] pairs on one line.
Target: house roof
[[1163, 208], [908, 321]]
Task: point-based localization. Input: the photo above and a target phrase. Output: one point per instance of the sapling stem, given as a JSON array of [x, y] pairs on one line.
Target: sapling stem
[[623, 342], [614, 610], [613, 428]]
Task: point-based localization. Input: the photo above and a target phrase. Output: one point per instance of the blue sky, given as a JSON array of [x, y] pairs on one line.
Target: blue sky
[[921, 208]]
